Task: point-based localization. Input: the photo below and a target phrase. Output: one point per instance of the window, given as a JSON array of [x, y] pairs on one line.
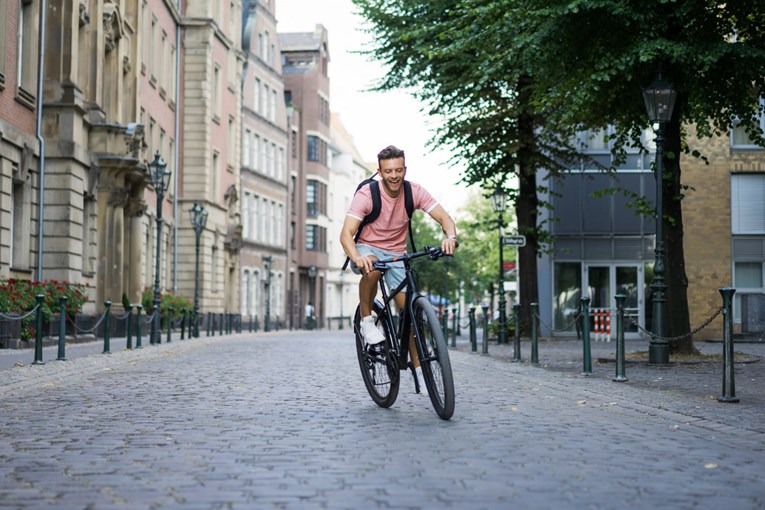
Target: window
[[311, 199], [246, 148], [3, 43], [245, 306], [231, 145], [316, 238], [262, 108], [216, 92], [256, 96], [748, 204], [27, 48], [254, 230], [256, 153], [280, 165], [740, 139], [215, 175], [88, 208], [272, 107], [313, 148], [246, 215], [280, 226], [20, 218], [316, 149]]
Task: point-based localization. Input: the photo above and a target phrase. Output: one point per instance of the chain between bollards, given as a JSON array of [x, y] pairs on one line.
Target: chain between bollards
[[728, 383]]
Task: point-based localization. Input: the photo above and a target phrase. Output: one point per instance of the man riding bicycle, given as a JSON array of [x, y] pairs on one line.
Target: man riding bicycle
[[385, 237]]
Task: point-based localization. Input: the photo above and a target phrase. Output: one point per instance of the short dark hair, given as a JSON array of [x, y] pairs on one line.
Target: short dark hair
[[390, 152]]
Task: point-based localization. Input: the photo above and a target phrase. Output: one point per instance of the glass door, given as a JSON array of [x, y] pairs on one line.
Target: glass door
[[604, 281]]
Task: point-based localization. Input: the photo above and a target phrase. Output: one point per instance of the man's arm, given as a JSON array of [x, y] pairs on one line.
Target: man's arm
[[350, 226], [449, 244]]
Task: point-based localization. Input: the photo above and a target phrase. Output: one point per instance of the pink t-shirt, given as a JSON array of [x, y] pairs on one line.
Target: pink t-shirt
[[388, 232]]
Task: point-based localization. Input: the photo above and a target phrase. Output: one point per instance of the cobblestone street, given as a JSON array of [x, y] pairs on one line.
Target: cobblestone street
[[282, 420]]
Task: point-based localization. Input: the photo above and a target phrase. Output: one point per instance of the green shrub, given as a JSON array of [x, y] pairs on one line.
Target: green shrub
[[18, 296]]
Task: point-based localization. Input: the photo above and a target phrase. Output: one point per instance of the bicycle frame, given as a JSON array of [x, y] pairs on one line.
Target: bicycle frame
[[412, 293]]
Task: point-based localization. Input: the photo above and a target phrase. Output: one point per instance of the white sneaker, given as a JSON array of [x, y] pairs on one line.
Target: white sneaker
[[421, 380], [369, 331]]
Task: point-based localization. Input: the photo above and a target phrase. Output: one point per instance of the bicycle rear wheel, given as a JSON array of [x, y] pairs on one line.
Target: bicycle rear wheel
[[434, 359], [378, 364]]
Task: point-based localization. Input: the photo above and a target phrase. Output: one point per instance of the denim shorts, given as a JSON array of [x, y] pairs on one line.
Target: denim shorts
[[395, 273]]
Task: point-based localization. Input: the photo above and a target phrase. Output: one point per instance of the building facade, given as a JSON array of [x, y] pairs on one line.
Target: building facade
[[603, 248], [264, 171], [305, 64], [19, 145], [347, 169], [122, 82]]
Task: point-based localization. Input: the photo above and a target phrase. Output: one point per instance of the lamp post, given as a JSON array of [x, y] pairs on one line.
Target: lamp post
[[312, 290], [160, 179], [498, 201], [659, 100], [198, 216], [268, 262]]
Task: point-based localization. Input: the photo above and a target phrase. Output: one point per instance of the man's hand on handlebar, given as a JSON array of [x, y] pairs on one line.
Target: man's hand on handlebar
[[364, 263]]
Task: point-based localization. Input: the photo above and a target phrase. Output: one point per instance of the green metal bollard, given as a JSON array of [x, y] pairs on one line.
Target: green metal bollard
[[445, 324], [170, 310], [183, 323], [138, 336], [38, 331], [517, 341], [207, 324], [535, 334], [62, 330], [107, 327], [729, 385], [455, 321], [471, 322], [586, 346], [129, 344], [220, 323], [485, 346], [620, 299]]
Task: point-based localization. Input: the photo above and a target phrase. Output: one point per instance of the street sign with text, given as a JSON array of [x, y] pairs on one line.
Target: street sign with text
[[514, 240]]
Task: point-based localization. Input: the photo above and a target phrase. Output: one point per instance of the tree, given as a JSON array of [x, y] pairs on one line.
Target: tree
[[514, 79], [588, 74], [489, 121]]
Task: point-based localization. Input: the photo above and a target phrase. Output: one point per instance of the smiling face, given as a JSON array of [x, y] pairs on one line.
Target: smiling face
[[392, 171]]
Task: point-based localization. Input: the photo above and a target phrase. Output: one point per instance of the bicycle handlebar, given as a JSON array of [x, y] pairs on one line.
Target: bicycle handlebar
[[427, 251]]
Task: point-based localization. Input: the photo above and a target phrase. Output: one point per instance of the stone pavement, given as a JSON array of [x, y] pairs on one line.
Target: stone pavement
[[282, 420]]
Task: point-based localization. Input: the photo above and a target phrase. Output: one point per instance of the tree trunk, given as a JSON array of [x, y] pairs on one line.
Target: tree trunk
[[676, 310]]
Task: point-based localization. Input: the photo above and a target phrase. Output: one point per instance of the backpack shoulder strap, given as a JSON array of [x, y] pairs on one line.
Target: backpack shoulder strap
[[374, 190], [409, 205]]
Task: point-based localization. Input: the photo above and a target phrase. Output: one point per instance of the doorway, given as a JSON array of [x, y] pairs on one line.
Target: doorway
[[605, 280]]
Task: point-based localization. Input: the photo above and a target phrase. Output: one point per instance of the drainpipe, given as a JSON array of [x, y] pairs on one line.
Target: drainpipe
[[40, 76], [177, 144]]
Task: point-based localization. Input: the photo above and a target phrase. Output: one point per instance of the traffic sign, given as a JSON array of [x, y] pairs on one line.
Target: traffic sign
[[514, 240]]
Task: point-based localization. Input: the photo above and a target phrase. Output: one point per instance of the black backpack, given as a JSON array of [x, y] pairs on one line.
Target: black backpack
[[374, 188]]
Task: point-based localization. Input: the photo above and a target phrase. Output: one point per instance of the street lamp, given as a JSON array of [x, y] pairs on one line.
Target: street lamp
[[312, 285], [498, 201], [160, 179], [659, 102], [268, 262], [198, 216]]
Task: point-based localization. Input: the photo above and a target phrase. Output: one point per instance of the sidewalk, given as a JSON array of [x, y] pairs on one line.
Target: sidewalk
[[697, 383]]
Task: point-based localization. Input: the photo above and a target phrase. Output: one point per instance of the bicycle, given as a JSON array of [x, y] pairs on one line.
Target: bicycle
[[382, 364]]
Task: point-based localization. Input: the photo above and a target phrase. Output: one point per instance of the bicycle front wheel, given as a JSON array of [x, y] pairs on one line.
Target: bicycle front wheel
[[379, 367], [434, 359]]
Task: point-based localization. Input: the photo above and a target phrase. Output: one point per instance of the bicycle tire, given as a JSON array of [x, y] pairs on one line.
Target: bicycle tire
[[434, 359], [379, 368]]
